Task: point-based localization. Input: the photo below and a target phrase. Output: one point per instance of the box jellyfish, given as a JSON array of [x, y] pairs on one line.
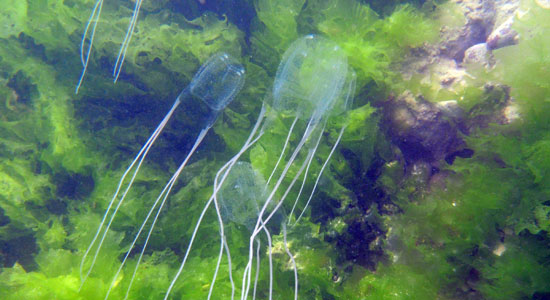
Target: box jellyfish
[[216, 83], [239, 201], [312, 79]]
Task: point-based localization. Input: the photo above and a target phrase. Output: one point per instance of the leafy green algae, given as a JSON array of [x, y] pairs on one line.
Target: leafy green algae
[[441, 242], [483, 229]]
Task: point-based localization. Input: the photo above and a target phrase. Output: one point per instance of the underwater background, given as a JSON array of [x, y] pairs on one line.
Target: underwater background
[[439, 187]]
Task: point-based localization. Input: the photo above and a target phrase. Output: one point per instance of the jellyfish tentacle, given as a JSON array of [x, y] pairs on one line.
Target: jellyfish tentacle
[[309, 161], [309, 81], [164, 193], [222, 238], [232, 78], [285, 244], [306, 135], [321, 173], [124, 47], [230, 270], [282, 151], [270, 259], [311, 155], [170, 185], [278, 205], [257, 275], [220, 255], [85, 58], [258, 227], [347, 100], [193, 235], [217, 99], [290, 186], [139, 160], [133, 243], [248, 269], [251, 140]]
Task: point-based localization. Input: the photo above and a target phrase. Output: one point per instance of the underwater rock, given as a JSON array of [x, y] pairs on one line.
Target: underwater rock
[[428, 132], [423, 131], [510, 113], [448, 73], [440, 69], [503, 35], [451, 109], [420, 173], [480, 17], [479, 54], [434, 70], [504, 10], [486, 21]]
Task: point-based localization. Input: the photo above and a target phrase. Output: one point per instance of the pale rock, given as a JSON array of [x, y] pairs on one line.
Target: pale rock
[[503, 35], [479, 54]]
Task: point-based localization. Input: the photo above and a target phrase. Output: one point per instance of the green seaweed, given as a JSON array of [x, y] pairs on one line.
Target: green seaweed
[[373, 43], [484, 226]]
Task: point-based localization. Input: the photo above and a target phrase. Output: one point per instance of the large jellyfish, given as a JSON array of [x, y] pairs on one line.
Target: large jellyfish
[[313, 76], [216, 83], [312, 83]]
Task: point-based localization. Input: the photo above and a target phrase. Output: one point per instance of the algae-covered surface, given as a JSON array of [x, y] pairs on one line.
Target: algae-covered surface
[[439, 187]]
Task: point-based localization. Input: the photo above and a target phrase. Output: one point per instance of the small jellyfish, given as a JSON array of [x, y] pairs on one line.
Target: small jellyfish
[[216, 83], [239, 201], [239, 197]]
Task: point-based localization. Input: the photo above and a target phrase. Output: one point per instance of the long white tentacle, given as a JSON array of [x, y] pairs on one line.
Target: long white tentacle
[[85, 58], [282, 151], [167, 189], [321, 173], [124, 47], [311, 155], [261, 223], [225, 170], [230, 269], [257, 275], [139, 160], [293, 262]]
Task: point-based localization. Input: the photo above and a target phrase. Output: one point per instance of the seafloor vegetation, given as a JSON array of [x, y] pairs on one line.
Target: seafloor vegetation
[[440, 189]]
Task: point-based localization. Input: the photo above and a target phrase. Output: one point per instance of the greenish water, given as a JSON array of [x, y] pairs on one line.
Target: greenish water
[[438, 188]]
